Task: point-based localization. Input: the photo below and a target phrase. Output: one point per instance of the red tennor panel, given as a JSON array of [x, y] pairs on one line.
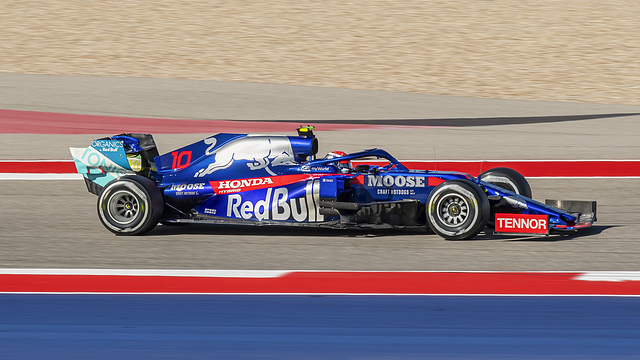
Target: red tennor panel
[[522, 224]]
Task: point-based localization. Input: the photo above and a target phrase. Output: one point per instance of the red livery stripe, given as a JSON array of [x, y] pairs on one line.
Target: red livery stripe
[[434, 181], [239, 185]]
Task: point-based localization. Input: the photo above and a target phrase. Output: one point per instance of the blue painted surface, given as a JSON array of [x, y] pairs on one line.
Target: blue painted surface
[[317, 327]]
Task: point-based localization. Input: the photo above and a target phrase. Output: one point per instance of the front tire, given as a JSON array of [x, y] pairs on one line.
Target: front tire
[[507, 179], [457, 210], [130, 205]]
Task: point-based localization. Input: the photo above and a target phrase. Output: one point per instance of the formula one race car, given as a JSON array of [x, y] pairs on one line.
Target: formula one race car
[[248, 179]]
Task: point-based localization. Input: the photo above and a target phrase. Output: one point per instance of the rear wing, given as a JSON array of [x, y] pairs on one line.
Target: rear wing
[[112, 157]]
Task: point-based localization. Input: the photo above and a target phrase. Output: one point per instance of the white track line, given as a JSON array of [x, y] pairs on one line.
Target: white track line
[[150, 272], [615, 276]]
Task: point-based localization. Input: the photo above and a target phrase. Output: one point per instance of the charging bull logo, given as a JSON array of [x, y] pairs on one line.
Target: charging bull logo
[[261, 152]]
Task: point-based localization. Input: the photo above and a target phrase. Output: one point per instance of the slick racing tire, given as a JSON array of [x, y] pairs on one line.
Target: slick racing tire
[[130, 205], [457, 210], [508, 179]]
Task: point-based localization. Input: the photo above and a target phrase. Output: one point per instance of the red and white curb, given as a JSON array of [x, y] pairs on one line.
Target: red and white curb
[[38, 170], [66, 170], [301, 282]]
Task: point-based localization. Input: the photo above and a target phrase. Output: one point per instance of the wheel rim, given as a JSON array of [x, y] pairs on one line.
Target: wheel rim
[[453, 210], [123, 207]]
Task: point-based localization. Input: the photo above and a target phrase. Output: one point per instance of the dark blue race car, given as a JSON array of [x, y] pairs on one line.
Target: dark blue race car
[[248, 179]]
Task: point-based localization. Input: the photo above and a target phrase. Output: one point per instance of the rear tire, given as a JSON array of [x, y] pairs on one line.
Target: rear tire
[[457, 210], [130, 205]]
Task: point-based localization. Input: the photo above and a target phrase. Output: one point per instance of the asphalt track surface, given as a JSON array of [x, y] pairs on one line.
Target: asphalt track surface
[[65, 233], [53, 223]]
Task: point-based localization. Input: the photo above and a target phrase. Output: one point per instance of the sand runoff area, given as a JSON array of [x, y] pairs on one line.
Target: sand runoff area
[[569, 50]]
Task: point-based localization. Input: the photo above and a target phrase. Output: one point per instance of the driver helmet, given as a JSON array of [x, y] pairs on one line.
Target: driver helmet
[[343, 165]]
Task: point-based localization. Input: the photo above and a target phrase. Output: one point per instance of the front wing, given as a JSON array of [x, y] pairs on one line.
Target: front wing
[[528, 216]]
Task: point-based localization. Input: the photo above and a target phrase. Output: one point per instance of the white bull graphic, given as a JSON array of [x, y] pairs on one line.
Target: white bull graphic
[[260, 151]]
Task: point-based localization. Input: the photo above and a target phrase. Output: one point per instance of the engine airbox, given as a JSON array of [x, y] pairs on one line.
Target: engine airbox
[[304, 146]]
